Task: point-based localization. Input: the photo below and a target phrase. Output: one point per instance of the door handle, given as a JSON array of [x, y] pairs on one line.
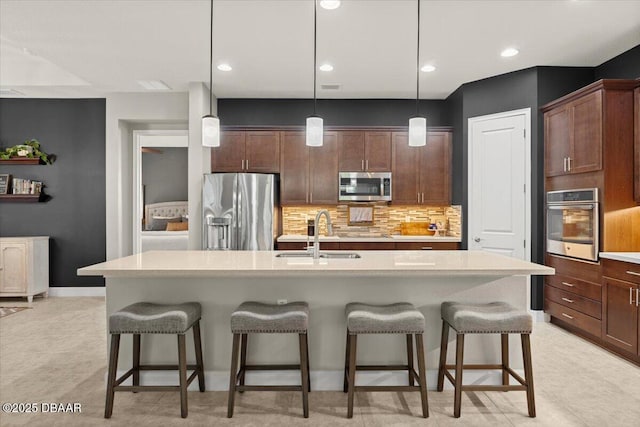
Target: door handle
[[637, 296], [311, 197], [569, 164], [564, 164], [567, 300], [366, 164], [571, 285], [426, 248], [631, 296], [422, 197], [567, 316], [633, 272], [362, 164], [242, 168], [418, 197], [477, 239], [247, 164]]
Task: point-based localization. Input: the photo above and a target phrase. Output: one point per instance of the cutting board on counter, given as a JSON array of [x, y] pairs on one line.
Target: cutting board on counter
[[416, 229]]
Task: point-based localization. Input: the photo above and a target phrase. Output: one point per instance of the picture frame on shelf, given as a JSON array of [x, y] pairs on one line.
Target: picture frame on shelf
[[5, 183]]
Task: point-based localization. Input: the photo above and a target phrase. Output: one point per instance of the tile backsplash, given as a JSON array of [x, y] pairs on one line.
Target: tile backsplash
[[386, 219]]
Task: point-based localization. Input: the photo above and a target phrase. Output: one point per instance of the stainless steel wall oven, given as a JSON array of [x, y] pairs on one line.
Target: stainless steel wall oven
[[572, 223]]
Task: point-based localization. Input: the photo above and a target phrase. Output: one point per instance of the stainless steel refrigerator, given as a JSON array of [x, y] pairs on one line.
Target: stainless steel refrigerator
[[240, 211]]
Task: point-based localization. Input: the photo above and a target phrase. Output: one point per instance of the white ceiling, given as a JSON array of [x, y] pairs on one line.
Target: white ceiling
[[56, 48]]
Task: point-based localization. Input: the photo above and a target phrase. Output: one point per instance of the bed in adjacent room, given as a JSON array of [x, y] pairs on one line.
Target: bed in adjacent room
[[165, 226]]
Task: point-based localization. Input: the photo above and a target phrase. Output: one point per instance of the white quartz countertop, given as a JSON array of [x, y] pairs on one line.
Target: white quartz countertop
[[391, 238], [266, 264], [633, 257]]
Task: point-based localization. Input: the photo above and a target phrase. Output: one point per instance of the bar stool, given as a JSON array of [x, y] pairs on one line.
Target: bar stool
[[398, 318], [493, 318], [148, 318], [255, 317]]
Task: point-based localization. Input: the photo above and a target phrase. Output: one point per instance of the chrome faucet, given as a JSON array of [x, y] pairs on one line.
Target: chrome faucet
[[316, 226]]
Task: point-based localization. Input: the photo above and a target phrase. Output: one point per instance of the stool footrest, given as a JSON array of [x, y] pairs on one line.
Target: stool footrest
[[147, 388], [130, 372], [387, 388], [268, 388], [382, 367], [511, 372], [270, 367]]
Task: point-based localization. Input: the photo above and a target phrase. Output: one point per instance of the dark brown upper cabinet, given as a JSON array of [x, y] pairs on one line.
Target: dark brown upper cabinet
[[247, 151], [636, 115], [364, 151]]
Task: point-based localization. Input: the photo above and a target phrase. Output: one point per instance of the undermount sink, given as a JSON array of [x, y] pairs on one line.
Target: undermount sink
[[330, 255]]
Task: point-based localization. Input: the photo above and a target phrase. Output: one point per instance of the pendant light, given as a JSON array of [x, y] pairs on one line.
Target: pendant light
[[210, 123], [417, 124], [314, 123]]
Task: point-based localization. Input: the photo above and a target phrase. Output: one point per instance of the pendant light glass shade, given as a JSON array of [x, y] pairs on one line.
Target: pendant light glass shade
[[417, 131], [314, 131], [210, 131]]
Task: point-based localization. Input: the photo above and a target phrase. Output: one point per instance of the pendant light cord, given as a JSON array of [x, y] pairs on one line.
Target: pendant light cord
[[315, 24], [211, 62], [418, 65]]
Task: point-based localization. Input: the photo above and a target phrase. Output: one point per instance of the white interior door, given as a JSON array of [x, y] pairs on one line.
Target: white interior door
[[499, 171]]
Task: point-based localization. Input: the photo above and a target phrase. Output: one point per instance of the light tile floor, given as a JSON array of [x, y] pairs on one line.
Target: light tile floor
[[56, 352]]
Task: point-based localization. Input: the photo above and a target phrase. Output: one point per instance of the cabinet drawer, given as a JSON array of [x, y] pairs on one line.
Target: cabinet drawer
[[301, 246], [583, 270], [436, 246], [626, 271], [367, 246], [574, 301], [574, 318], [576, 286]]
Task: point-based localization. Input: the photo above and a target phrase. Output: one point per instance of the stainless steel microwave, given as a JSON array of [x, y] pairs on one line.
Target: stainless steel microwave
[[364, 186]]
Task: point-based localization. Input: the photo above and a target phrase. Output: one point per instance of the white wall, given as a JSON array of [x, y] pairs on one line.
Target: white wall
[[124, 113], [199, 158]]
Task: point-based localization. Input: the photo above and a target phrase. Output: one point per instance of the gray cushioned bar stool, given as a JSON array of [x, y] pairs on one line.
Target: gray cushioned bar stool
[[255, 317], [492, 318], [398, 318], [148, 318]]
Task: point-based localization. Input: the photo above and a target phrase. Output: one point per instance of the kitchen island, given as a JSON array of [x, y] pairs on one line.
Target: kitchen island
[[221, 280]]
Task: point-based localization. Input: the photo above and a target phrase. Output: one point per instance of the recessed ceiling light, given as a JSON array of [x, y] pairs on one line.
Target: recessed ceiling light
[[224, 67], [326, 67], [428, 68], [330, 4], [153, 85], [508, 52]]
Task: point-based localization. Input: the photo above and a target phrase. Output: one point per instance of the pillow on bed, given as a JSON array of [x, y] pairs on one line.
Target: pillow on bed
[[159, 223], [177, 226]]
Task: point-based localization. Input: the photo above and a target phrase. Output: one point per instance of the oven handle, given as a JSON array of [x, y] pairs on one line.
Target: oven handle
[[588, 207]]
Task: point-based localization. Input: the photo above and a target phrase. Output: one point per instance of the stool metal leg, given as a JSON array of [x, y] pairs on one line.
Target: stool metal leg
[[304, 372], [352, 373], [113, 367], [457, 402], [504, 344], [346, 365], [182, 372], [232, 373], [410, 357], [197, 342], [243, 359], [136, 360], [528, 373], [443, 355], [422, 376]]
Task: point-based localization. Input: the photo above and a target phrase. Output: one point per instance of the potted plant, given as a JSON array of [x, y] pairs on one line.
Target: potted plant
[[30, 150]]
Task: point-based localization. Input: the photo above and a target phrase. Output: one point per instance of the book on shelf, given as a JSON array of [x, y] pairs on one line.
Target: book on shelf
[[26, 186]]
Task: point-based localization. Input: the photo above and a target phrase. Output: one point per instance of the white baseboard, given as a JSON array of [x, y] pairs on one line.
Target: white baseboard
[[320, 380], [88, 291], [539, 316]]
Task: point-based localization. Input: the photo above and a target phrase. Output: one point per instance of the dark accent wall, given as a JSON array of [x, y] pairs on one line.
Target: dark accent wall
[[74, 217], [624, 66], [164, 175], [335, 112]]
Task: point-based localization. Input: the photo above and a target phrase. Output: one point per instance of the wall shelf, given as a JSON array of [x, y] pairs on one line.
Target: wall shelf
[[23, 198], [21, 161]]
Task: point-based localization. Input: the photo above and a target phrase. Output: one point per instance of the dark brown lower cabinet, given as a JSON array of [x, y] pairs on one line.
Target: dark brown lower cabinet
[[620, 326], [372, 246]]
